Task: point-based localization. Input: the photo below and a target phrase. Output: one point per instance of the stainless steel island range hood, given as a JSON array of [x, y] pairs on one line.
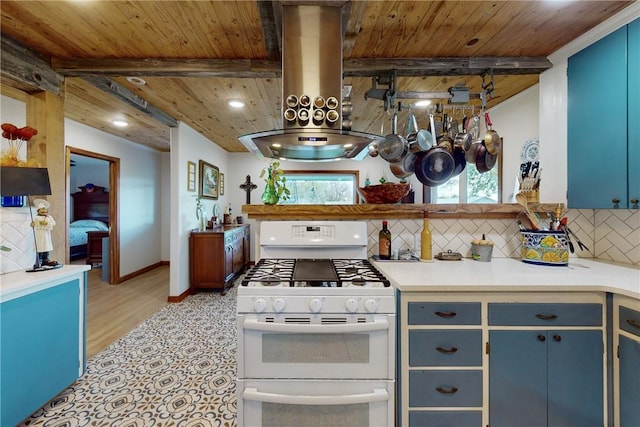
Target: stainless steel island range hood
[[312, 110]]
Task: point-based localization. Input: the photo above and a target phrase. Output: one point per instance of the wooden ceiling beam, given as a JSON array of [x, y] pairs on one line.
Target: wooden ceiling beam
[[25, 66], [130, 98], [246, 68]]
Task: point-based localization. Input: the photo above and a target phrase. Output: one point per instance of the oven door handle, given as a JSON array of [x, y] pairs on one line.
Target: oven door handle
[[377, 325], [378, 395]]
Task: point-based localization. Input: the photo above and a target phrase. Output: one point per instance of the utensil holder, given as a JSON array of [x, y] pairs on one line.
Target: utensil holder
[[545, 247]]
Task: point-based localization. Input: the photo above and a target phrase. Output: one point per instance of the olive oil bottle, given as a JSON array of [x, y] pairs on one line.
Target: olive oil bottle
[[384, 242], [426, 254]]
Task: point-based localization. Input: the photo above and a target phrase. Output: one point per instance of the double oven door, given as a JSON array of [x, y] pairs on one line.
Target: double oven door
[[306, 370]]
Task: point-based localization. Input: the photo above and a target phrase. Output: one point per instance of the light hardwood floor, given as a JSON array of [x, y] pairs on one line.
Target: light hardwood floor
[[114, 310]]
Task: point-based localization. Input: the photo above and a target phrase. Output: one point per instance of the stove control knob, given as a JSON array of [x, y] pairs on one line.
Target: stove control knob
[[260, 305], [371, 305], [352, 305], [279, 304], [315, 305]]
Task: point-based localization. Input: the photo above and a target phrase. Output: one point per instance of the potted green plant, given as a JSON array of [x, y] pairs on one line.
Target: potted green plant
[[276, 188]]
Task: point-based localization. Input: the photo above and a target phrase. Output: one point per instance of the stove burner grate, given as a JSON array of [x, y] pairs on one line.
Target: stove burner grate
[[281, 272]]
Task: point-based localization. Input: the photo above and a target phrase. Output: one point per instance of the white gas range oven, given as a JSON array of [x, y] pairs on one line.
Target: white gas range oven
[[316, 330]]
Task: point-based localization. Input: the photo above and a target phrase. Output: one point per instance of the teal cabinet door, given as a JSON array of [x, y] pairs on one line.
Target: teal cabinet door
[[575, 378], [597, 124], [518, 379], [40, 349], [633, 40], [546, 378], [629, 382]]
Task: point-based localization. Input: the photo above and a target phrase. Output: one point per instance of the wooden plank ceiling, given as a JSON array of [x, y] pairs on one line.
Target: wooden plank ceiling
[[196, 55]]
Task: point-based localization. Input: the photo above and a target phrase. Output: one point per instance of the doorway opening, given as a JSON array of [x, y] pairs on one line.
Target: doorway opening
[[96, 188]]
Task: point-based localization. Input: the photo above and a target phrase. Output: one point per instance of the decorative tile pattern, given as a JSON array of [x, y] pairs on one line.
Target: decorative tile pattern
[[178, 368], [617, 235], [16, 234], [610, 234]]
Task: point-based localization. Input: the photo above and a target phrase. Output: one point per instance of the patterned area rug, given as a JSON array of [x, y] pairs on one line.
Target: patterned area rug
[[178, 368]]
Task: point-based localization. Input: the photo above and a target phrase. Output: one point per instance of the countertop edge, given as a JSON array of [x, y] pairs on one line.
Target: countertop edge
[[626, 283], [20, 283]]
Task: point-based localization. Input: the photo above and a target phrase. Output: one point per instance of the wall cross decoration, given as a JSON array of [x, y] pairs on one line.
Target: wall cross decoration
[[248, 186]]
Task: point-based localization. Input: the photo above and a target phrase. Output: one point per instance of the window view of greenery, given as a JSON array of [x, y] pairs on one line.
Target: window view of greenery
[[320, 189], [469, 187]]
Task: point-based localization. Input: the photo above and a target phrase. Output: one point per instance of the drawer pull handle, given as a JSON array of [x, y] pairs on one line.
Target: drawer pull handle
[[542, 338], [446, 314], [557, 338], [634, 323], [449, 350], [546, 316], [450, 390]]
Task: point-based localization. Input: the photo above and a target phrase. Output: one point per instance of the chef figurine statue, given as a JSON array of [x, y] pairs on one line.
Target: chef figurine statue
[[42, 224]]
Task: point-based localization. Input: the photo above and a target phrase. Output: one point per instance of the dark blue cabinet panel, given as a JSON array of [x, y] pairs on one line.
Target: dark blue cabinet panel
[[575, 379], [445, 348], [518, 379], [629, 352], [444, 313], [445, 419], [597, 123], [633, 114], [546, 378], [545, 314], [603, 126], [445, 388]]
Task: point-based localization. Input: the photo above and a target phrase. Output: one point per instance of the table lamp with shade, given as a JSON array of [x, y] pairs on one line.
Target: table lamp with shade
[[18, 181]]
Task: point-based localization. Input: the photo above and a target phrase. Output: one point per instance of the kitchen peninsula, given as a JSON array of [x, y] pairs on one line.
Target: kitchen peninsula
[[42, 320], [516, 343]]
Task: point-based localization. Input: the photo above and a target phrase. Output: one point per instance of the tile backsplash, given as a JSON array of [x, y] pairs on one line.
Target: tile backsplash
[[612, 235], [17, 235]]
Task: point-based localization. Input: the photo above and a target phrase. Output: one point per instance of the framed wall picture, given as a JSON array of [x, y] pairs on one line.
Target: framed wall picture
[[191, 176], [221, 184], [209, 177]]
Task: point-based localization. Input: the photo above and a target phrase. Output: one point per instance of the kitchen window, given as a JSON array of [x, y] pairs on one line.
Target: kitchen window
[[322, 187], [470, 186]]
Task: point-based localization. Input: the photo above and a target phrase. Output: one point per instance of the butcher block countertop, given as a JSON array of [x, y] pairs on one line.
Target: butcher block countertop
[[512, 275]]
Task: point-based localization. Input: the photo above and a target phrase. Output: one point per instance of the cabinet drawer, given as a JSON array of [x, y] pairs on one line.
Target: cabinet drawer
[[445, 418], [445, 348], [534, 314], [444, 313], [445, 388], [630, 320]]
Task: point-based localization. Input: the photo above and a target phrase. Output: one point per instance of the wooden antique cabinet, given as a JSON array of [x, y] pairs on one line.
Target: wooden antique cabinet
[[94, 246], [218, 256]]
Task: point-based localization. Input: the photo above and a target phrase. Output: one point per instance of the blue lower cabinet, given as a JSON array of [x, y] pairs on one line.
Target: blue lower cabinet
[[629, 353], [429, 389], [42, 349], [445, 418], [445, 347], [546, 378]]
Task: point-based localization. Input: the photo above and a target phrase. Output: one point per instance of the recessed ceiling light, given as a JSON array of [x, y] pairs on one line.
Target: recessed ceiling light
[[120, 123], [236, 103], [136, 81]]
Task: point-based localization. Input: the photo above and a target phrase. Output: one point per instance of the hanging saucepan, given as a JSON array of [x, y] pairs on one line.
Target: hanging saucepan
[[394, 146], [418, 139], [434, 167], [445, 141], [485, 161], [463, 138], [492, 140], [458, 157], [474, 130], [404, 167]]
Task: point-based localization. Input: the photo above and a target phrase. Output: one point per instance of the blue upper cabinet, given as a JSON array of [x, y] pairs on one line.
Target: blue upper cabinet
[[603, 122], [633, 118]]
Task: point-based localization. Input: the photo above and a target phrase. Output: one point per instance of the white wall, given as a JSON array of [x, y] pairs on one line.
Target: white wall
[[516, 121], [140, 221], [188, 145], [14, 112]]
